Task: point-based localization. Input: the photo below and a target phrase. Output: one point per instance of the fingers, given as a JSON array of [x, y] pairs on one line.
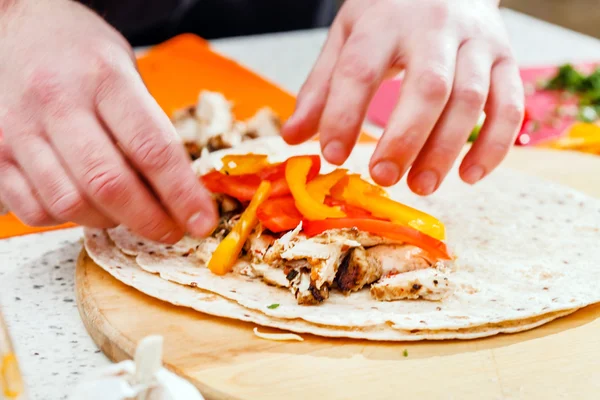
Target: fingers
[[304, 123], [469, 92], [424, 94], [108, 181], [147, 137], [56, 192], [504, 115], [359, 70], [17, 195]]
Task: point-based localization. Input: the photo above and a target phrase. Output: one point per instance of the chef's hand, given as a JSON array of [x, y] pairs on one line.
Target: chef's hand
[[83, 140], [458, 61]]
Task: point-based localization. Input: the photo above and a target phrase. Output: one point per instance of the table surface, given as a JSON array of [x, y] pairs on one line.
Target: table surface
[[37, 271]]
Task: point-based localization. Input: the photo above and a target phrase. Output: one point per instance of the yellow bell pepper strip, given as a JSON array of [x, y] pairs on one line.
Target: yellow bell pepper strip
[[354, 183], [402, 214], [360, 193], [11, 385], [227, 253], [321, 186], [582, 136], [243, 164], [296, 174]]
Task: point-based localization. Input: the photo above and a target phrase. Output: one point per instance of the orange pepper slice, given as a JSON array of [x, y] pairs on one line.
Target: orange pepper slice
[[243, 164]]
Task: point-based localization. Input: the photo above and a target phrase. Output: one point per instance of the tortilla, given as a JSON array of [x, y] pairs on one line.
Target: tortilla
[[124, 268], [526, 254]]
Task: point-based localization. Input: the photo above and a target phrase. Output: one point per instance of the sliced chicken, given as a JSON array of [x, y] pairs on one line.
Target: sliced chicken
[[365, 239], [211, 125], [214, 116], [258, 244], [427, 284], [398, 258], [324, 259], [264, 123], [226, 223], [205, 249], [273, 255], [227, 204], [356, 271], [303, 288], [185, 124], [204, 164], [271, 275]]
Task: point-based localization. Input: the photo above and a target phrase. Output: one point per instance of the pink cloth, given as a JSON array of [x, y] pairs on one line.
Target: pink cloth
[[542, 121]]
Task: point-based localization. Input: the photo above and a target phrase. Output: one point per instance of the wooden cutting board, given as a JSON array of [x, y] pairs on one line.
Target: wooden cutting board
[[225, 360]]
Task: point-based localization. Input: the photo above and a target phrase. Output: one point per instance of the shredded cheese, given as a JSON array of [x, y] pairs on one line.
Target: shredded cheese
[[278, 336]]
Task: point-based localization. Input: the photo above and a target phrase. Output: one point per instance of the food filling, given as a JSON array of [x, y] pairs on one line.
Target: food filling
[[313, 233], [210, 125]]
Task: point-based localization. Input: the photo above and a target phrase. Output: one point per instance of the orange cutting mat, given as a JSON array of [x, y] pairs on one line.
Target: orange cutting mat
[[175, 72]]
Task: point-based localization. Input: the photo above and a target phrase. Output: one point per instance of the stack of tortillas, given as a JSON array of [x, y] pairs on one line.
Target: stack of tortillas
[[527, 252]]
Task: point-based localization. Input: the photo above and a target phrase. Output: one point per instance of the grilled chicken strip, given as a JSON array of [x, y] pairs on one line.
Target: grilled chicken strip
[[303, 288], [356, 271], [398, 258], [292, 274], [324, 259], [362, 267], [365, 239], [271, 275], [426, 284]]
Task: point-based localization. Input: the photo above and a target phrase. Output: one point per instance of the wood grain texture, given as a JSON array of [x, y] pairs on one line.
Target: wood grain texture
[[225, 360]]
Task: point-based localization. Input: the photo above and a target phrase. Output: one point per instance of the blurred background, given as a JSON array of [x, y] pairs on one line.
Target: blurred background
[[578, 15], [146, 22]]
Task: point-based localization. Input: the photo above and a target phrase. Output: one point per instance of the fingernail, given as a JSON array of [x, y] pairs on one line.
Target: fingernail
[[386, 173], [425, 182], [299, 111], [171, 237], [335, 152], [200, 225], [473, 174]]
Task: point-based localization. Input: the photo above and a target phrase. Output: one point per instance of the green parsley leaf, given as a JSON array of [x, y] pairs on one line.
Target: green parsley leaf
[[273, 306], [567, 78], [405, 353], [474, 133]]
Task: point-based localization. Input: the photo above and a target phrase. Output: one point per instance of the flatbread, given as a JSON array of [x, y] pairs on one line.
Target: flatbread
[[124, 268], [527, 252]]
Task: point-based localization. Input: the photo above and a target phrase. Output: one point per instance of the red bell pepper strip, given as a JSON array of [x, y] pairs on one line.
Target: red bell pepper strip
[[279, 214]]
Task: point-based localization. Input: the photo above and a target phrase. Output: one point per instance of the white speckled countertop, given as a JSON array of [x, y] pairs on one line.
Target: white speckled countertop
[[37, 271]]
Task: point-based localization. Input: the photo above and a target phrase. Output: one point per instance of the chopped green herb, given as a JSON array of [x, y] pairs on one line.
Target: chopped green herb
[[571, 80], [586, 88], [405, 353], [474, 133], [273, 306], [567, 78]]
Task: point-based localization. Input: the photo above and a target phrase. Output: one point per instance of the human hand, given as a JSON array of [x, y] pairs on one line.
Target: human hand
[[83, 140], [458, 62]]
